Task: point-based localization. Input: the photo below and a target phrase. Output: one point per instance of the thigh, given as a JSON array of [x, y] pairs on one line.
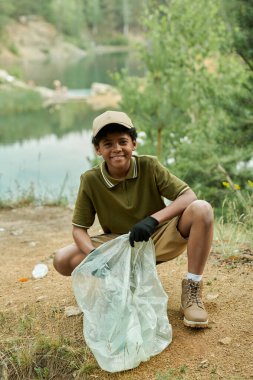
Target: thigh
[[72, 249], [168, 241], [101, 239]]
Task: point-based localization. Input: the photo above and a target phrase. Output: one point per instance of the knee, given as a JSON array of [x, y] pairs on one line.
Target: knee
[[203, 211], [59, 263]]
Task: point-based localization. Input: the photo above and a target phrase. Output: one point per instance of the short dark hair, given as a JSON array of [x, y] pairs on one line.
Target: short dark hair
[[110, 128]]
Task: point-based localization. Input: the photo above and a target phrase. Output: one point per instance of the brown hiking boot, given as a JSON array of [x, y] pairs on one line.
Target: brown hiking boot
[[192, 306]]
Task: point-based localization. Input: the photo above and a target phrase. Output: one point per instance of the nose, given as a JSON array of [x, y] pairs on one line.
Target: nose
[[116, 146]]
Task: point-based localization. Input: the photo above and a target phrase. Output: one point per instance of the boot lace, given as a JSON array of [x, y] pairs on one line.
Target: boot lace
[[193, 293]]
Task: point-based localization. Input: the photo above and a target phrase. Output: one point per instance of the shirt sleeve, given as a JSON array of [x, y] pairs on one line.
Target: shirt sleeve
[[84, 212], [168, 184]]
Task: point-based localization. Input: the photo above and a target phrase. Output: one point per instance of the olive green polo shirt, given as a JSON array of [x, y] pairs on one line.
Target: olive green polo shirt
[[120, 204]]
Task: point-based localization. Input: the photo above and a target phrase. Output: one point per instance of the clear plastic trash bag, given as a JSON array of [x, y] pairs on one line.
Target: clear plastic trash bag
[[124, 304]]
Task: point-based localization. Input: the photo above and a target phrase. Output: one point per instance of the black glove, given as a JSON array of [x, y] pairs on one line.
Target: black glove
[[142, 230]]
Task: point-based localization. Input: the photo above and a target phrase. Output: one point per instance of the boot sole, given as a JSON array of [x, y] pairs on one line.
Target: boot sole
[[196, 325]]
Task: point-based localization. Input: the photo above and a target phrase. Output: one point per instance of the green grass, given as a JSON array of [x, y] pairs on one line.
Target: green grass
[[173, 373], [24, 197], [39, 344], [45, 357], [234, 228]]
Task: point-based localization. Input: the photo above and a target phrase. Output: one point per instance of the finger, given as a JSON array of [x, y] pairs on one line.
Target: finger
[[131, 240], [132, 243]]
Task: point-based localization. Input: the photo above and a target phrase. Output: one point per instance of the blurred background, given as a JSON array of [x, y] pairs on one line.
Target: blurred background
[[182, 70]]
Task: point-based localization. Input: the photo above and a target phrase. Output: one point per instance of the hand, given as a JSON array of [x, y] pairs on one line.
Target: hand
[[142, 230]]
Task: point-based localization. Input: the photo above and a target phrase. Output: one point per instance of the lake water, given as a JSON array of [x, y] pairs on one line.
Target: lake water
[[81, 74], [47, 151]]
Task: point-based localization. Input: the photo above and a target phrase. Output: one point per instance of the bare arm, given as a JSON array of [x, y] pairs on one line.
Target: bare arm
[[82, 240], [177, 207]]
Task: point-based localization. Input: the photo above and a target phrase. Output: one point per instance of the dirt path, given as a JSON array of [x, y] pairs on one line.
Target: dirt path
[[223, 351]]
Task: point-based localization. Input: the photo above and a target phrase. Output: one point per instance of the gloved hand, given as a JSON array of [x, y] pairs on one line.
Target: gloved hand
[[142, 230]]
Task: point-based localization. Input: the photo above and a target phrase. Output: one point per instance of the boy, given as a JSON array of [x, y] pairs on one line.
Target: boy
[[126, 193]]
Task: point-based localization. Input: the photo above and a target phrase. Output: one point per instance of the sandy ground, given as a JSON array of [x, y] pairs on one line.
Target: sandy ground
[[223, 351]]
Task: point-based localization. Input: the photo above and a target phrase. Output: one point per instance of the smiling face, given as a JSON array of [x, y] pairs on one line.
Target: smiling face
[[117, 148]]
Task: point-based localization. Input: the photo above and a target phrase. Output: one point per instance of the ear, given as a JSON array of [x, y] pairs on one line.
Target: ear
[[98, 150], [134, 145]]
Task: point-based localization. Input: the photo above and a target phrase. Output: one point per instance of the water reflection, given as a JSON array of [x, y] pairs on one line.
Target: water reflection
[[47, 163], [50, 148], [59, 121], [81, 74], [46, 148]]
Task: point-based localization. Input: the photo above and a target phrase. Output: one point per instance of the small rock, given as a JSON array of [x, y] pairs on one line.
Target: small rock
[[40, 298], [101, 89], [211, 297], [226, 340], [70, 311], [2, 229], [32, 243], [204, 364], [17, 232]]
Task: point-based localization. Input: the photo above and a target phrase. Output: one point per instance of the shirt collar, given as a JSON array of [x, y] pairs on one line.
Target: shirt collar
[[111, 182]]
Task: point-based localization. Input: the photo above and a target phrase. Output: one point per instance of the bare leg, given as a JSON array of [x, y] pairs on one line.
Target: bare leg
[[67, 258], [196, 223]]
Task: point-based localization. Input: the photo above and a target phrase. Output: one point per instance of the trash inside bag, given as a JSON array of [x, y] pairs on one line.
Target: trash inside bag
[[124, 304]]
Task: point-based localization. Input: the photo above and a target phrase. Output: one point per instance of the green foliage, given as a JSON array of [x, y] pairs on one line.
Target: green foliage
[[238, 203], [239, 15], [116, 40], [29, 7], [16, 71], [14, 100], [73, 18], [6, 9], [193, 79], [13, 48], [234, 224], [93, 14]]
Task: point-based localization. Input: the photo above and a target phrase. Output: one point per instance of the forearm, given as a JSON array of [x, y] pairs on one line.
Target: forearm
[[82, 240], [176, 208]]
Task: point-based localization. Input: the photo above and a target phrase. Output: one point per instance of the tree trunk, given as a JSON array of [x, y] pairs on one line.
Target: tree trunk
[[125, 9], [159, 143]]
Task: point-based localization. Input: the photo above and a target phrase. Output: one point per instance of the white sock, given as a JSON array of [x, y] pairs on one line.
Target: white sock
[[194, 277]]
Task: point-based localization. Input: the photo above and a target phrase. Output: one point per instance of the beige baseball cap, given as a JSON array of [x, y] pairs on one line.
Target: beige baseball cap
[[110, 117]]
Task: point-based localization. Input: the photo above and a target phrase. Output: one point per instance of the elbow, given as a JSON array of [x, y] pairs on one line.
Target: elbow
[[190, 195], [77, 232]]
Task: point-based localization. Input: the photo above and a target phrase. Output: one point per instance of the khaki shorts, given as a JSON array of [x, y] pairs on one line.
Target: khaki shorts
[[168, 241]]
